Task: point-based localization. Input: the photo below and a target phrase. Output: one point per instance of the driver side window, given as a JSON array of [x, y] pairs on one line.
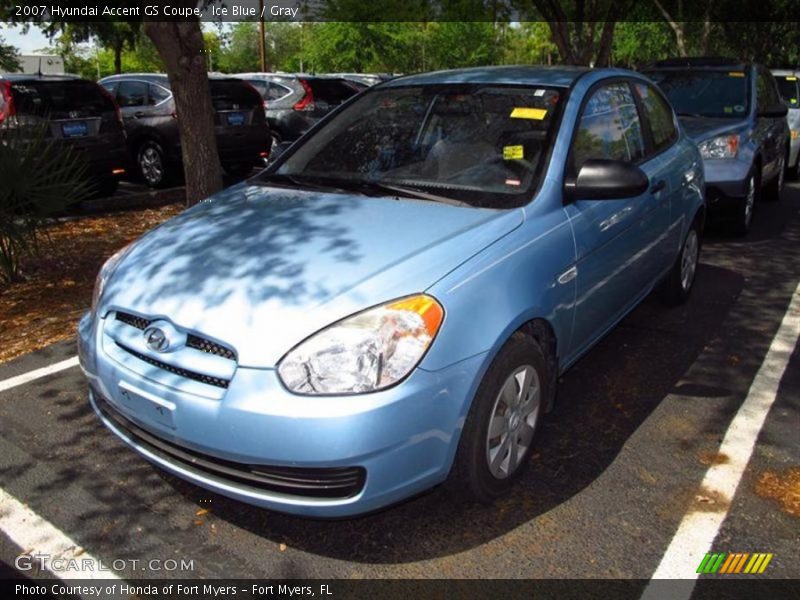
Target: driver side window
[[609, 127]]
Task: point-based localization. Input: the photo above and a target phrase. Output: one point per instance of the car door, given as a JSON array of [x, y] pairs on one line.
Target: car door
[[619, 243], [132, 100]]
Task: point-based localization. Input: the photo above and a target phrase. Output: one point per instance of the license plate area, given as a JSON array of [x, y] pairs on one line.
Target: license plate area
[[235, 118], [75, 129], [146, 406]]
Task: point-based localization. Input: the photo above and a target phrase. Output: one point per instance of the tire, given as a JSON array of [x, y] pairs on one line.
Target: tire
[[744, 213], [152, 164], [275, 141], [483, 469], [772, 192], [678, 285]]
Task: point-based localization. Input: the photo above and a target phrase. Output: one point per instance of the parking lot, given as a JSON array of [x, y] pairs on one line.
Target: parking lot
[[619, 465]]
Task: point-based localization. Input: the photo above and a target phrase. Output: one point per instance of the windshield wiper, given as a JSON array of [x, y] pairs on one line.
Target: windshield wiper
[[301, 181], [694, 115], [371, 185]]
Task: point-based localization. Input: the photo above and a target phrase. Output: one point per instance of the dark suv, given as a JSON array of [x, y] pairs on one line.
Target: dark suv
[[294, 103], [79, 113], [151, 122], [733, 112]]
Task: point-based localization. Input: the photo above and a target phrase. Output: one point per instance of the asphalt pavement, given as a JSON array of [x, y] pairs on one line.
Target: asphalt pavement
[[618, 463]]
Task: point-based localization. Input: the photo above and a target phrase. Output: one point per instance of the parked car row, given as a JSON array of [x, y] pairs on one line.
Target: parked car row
[[734, 113], [128, 124]]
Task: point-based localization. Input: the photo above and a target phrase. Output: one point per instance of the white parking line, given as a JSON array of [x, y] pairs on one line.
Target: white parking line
[[39, 538], [36, 374], [699, 528]]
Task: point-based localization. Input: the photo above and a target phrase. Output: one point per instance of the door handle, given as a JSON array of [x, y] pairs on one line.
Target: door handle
[[138, 114], [658, 186]]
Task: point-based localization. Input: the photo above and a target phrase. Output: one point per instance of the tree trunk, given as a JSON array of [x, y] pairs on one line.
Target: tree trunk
[[180, 45], [118, 58]]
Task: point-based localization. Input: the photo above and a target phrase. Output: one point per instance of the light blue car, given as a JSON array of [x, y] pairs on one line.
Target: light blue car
[[390, 304]]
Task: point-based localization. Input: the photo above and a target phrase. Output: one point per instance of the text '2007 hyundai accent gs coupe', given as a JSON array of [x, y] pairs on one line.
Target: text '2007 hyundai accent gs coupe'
[[389, 305]]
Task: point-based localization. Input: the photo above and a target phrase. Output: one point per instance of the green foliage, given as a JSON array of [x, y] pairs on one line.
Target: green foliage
[[639, 43], [239, 49], [38, 179], [8, 58]]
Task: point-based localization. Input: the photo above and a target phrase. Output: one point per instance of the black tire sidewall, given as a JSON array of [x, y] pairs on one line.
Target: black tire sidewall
[[471, 472], [157, 147]]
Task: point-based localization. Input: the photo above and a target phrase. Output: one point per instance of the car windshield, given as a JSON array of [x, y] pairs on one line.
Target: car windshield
[[484, 145], [787, 85], [706, 93]]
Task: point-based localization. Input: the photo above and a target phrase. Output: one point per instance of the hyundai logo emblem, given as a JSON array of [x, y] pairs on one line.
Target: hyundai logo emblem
[[156, 339]]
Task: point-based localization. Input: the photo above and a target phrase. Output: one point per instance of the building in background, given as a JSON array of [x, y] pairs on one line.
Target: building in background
[[47, 64]]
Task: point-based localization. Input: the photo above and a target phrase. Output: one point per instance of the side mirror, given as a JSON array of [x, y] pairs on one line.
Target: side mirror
[[278, 150], [774, 111], [602, 179]]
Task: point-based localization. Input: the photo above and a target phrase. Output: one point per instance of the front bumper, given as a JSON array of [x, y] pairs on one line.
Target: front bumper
[[403, 438]]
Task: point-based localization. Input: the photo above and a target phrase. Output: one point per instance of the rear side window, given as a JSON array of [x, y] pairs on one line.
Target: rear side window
[[260, 85], [765, 88], [609, 127], [277, 91], [156, 94], [659, 115], [132, 93], [232, 94], [61, 99], [331, 91], [787, 86]]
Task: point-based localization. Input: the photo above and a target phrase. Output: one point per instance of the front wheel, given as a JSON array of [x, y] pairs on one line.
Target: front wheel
[[679, 282], [744, 211], [499, 432], [774, 189]]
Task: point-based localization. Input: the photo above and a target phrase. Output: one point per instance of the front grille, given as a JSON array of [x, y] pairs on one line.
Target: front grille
[[133, 320], [339, 482], [209, 347], [207, 379], [193, 341]]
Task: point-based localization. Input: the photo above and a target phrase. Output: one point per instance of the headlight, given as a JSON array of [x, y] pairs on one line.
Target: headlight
[[724, 146], [366, 352], [103, 276]]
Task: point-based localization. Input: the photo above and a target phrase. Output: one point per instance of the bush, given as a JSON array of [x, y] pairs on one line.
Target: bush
[[39, 178]]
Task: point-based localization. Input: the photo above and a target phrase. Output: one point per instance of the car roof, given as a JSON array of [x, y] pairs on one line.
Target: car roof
[[784, 72], [38, 77], [700, 62], [161, 78], [540, 75]]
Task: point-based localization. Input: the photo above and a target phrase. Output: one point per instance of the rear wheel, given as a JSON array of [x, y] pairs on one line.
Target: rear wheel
[[679, 283], [499, 432], [152, 164]]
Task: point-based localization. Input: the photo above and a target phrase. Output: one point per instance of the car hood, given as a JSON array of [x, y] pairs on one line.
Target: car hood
[[262, 268], [703, 128]]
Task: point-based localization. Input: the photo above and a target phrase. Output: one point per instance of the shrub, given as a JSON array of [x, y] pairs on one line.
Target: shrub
[[39, 178]]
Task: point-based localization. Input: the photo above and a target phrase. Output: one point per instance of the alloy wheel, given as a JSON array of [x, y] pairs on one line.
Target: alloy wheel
[[512, 422]]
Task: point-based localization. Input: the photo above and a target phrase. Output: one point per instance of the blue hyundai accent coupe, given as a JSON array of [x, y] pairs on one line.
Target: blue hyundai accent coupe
[[390, 304]]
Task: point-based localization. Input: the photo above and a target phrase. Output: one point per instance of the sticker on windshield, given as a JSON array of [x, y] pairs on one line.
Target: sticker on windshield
[[736, 74], [513, 152], [739, 108], [513, 182], [728, 110], [790, 78], [539, 92], [537, 114]]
